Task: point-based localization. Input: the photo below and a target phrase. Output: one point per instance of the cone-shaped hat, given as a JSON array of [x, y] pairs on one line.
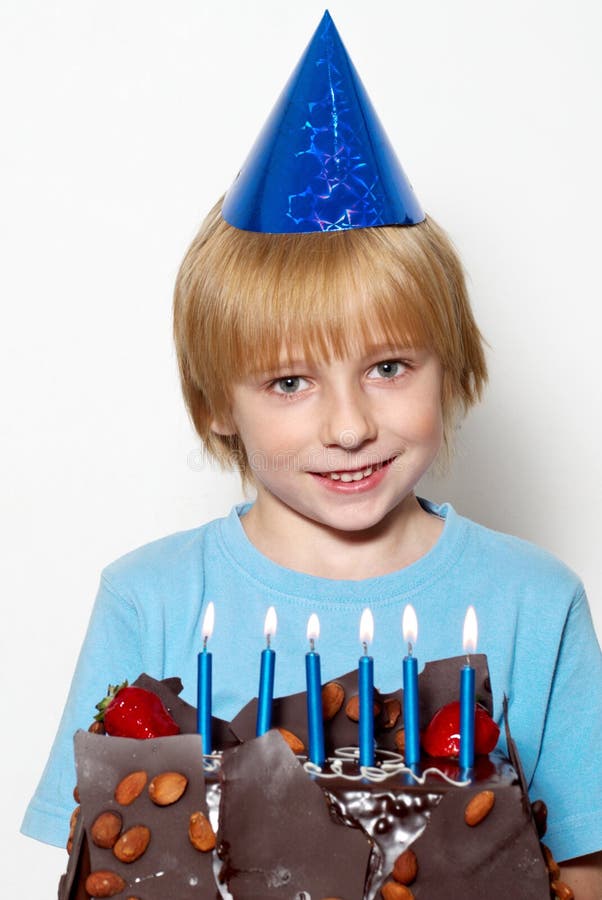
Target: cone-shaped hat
[[322, 161]]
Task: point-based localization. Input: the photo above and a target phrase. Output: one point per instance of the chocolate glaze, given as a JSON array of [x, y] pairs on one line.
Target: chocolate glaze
[[276, 837], [285, 833], [429, 817]]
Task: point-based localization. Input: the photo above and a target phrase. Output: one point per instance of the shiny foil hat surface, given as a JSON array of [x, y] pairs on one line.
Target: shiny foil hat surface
[[322, 161]]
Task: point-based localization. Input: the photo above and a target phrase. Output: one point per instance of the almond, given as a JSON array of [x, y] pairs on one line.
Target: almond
[[394, 891], [295, 743], [200, 832], [392, 712], [551, 864], [562, 890], [406, 867], [72, 824], [73, 820], [400, 740], [104, 883], [130, 787], [479, 807], [132, 843], [333, 695], [76, 796], [167, 788], [540, 815], [353, 708], [106, 829], [97, 728]]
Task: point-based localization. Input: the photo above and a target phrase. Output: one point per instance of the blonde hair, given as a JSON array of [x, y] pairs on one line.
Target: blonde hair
[[240, 296]]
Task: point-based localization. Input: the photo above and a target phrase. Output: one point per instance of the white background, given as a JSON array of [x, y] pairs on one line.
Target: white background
[[122, 123]]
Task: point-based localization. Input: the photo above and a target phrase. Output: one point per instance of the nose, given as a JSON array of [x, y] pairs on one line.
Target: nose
[[346, 418]]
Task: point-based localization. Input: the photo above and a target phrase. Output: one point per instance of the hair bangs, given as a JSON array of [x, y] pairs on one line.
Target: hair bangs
[[316, 296]]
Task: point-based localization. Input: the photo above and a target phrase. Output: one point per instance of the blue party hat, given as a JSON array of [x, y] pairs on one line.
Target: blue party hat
[[322, 161]]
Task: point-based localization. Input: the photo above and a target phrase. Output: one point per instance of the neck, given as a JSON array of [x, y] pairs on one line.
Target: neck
[[405, 534]]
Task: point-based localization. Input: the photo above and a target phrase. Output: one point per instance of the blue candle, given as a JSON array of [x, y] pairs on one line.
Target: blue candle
[[467, 704], [467, 692], [410, 689], [366, 686], [203, 720], [315, 720], [266, 677]]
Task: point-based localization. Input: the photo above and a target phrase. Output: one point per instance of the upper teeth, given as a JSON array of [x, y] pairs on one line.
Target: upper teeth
[[352, 476]]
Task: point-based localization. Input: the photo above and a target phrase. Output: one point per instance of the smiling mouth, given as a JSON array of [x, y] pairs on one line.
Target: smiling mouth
[[347, 475]]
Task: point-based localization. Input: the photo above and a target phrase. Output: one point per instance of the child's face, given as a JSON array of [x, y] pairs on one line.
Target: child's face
[[344, 442]]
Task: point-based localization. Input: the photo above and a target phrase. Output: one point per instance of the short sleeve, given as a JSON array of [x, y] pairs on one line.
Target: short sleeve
[[567, 775], [112, 644]]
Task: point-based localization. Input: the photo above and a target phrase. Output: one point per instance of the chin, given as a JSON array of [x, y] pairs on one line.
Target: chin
[[353, 521]]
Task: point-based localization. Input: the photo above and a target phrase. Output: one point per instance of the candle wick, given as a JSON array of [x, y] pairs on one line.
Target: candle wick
[[312, 645], [365, 646], [205, 639], [410, 648], [267, 640], [467, 659]]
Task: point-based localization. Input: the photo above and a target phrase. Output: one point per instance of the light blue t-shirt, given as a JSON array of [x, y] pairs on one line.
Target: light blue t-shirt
[[534, 626]]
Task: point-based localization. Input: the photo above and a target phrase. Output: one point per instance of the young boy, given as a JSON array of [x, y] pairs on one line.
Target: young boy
[[331, 369]]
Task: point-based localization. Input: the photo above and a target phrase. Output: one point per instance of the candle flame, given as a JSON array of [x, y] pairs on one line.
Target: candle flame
[[470, 633], [208, 622], [313, 628], [271, 621], [410, 624], [366, 627]]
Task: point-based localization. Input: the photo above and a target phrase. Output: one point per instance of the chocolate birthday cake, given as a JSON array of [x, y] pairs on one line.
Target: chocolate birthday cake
[[256, 821]]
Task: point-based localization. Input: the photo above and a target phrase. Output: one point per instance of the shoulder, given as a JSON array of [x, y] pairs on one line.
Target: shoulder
[[514, 561], [525, 556], [163, 564]]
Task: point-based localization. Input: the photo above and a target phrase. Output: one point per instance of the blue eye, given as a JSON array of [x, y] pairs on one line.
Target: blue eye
[[289, 385], [388, 369]]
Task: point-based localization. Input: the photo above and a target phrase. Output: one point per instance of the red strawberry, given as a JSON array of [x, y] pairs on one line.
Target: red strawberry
[[135, 713], [441, 736]]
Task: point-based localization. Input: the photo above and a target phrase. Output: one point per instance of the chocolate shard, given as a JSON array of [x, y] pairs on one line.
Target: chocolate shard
[[516, 763], [182, 712], [277, 838], [291, 713], [102, 762], [167, 691], [71, 885], [503, 849], [438, 684]]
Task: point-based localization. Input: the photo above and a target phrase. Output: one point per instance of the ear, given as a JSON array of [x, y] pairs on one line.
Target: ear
[[223, 426]]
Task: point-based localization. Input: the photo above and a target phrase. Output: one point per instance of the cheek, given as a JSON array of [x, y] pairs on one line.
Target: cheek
[[425, 419], [268, 440]]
